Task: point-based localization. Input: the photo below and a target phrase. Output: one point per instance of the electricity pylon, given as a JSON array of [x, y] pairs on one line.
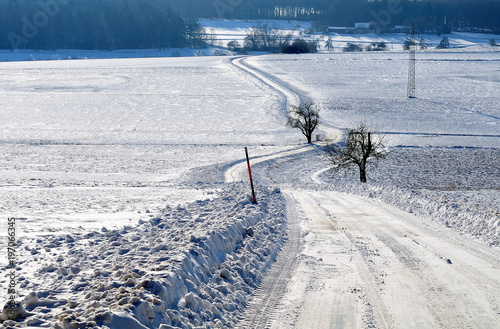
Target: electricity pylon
[[411, 70]]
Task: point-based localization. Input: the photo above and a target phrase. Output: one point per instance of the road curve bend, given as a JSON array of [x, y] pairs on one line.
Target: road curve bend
[[332, 135]]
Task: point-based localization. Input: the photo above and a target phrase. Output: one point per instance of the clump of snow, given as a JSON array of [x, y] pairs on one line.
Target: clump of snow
[[193, 265], [13, 311]]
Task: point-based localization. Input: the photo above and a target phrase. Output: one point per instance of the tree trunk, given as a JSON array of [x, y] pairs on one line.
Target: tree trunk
[[309, 139], [362, 174]]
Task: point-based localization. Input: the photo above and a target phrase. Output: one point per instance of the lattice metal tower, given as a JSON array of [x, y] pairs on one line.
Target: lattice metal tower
[[411, 70]]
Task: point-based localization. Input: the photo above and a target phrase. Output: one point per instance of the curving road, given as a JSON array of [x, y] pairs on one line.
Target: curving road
[[332, 135]]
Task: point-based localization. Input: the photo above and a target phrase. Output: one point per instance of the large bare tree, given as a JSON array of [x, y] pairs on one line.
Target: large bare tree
[[361, 149], [305, 118]]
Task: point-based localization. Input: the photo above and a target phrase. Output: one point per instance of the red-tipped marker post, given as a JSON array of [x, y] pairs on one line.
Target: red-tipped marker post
[[254, 199]]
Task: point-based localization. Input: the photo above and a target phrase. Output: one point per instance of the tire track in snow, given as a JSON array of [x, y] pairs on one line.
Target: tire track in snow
[[260, 313], [235, 172], [431, 289], [291, 98], [332, 134], [411, 261], [396, 268]]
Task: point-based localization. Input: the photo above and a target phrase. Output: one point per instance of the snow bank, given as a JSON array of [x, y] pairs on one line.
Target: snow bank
[[192, 266], [482, 225]]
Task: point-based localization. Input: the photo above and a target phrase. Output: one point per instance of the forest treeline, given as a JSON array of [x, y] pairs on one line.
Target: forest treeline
[[464, 14], [122, 24], [95, 24]]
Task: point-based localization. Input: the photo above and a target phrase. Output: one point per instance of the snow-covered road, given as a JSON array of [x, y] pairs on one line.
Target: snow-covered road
[[328, 132], [365, 264], [235, 173]]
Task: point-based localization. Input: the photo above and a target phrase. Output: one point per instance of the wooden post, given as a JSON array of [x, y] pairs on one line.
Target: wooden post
[[254, 199]]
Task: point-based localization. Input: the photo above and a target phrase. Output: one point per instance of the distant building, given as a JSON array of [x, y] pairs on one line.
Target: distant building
[[363, 28], [402, 29], [341, 30], [358, 28]]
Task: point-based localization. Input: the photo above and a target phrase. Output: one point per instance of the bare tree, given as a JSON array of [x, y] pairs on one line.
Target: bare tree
[[234, 45], [305, 118], [361, 149], [265, 37], [329, 44]]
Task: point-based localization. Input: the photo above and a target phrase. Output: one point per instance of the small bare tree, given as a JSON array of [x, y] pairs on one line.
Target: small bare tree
[[361, 149], [329, 44], [305, 118]]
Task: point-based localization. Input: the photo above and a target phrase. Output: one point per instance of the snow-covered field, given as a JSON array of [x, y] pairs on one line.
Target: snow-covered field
[[457, 94], [115, 170], [87, 141], [107, 143]]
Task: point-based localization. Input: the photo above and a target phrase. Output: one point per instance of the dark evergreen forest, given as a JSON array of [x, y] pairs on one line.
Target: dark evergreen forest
[[121, 24], [94, 24]]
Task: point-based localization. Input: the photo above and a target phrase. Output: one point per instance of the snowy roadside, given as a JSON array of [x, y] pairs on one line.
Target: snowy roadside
[[457, 188], [192, 266]]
